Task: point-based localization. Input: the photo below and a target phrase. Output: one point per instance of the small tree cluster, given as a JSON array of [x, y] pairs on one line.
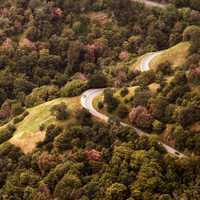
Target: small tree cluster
[[60, 111]]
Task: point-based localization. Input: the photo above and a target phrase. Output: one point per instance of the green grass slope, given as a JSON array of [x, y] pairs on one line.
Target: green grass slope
[[28, 132], [175, 55]]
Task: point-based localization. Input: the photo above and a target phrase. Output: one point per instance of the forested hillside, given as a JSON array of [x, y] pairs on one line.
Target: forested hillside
[[51, 148]]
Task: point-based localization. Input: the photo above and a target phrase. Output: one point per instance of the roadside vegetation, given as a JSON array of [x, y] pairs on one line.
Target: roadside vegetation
[[51, 148]]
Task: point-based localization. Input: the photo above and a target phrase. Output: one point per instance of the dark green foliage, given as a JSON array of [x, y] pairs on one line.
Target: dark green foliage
[[141, 97], [17, 109], [145, 78], [124, 92], [110, 101], [20, 118], [158, 126], [61, 39], [100, 105], [158, 107], [189, 115], [165, 68], [73, 88], [51, 132], [97, 81], [84, 117], [7, 133], [60, 111], [122, 111]]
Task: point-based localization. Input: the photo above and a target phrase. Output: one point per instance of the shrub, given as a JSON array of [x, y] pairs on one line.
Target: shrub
[[124, 92], [122, 111], [17, 109], [146, 78], [41, 94], [100, 105], [73, 88], [190, 32], [7, 133], [165, 68], [188, 115], [97, 81], [194, 76], [140, 117], [84, 117], [158, 126], [60, 111], [17, 120], [110, 101], [20, 118], [42, 127], [51, 132], [141, 97]]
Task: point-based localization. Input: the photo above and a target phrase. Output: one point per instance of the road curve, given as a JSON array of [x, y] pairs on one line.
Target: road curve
[[87, 102], [144, 66]]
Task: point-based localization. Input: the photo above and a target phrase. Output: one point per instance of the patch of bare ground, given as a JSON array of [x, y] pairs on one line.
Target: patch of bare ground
[[195, 128], [154, 87], [28, 142], [100, 17]]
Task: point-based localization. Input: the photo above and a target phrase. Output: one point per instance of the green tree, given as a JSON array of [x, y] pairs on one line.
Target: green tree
[[60, 111], [110, 101], [116, 191], [67, 187]]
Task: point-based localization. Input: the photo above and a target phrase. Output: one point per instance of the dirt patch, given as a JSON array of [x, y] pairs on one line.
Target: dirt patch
[[29, 141], [195, 127], [154, 87], [99, 17]]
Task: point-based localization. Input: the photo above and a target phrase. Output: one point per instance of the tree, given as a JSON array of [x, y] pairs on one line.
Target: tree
[[75, 56], [17, 109], [140, 117], [110, 101], [141, 97], [188, 115], [116, 191], [165, 68], [47, 161], [157, 107], [67, 187], [194, 76], [73, 88], [93, 155], [84, 117], [192, 33], [195, 4], [98, 80], [122, 111], [60, 111], [158, 126]]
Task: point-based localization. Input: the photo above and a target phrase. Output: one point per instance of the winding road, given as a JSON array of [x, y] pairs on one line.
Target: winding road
[[151, 3], [88, 96]]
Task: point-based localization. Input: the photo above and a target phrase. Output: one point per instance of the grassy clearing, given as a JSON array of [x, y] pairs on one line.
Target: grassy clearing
[[175, 55], [28, 134]]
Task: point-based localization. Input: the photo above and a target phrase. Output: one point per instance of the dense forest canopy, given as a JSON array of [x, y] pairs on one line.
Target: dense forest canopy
[[57, 49]]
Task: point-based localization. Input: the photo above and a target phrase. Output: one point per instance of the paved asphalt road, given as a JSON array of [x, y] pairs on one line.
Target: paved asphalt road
[[88, 96], [151, 4]]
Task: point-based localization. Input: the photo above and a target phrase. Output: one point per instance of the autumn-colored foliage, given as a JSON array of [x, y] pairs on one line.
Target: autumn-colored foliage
[[93, 155]]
